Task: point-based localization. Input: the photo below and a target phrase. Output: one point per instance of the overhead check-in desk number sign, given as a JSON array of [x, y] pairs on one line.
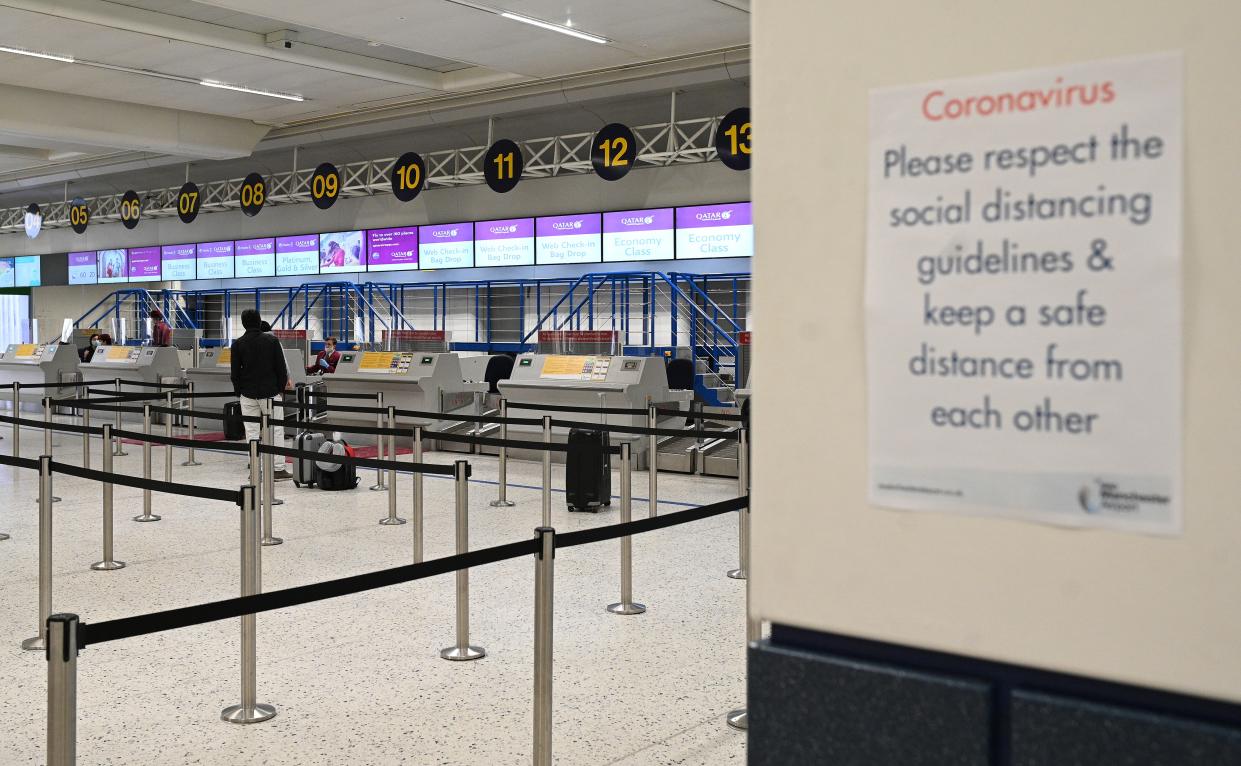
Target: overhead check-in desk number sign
[[1023, 295]]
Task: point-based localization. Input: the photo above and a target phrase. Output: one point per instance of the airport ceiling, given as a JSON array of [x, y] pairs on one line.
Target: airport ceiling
[[122, 94]]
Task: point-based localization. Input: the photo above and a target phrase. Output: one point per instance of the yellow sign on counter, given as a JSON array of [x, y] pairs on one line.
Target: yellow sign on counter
[[564, 367], [118, 352], [376, 361], [25, 350], [225, 357]]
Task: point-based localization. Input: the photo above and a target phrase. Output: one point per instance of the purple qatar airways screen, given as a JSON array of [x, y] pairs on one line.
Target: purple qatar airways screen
[[715, 231], [297, 256], [569, 239], [83, 269], [392, 249], [144, 264], [507, 242], [446, 246], [638, 235], [177, 262], [255, 258]]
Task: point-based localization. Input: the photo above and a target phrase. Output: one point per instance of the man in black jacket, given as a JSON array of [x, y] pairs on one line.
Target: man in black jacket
[[259, 376]]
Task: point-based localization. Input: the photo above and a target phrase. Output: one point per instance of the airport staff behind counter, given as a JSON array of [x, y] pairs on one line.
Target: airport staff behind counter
[[326, 360], [259, 376]]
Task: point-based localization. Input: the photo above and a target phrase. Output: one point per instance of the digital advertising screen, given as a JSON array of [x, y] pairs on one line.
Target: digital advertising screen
[[254, 258], [341, 252], [82, 268], [112, 266], [177, 262], [392, 249], [446, 246], [144, 264], [215, 260], [508, 242], [7, 277], [639, 235], [297, 256], [715, 231], [27, 271], [569, 239]]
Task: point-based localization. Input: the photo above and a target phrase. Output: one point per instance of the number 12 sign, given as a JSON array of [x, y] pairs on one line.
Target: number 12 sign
[[612, 154]]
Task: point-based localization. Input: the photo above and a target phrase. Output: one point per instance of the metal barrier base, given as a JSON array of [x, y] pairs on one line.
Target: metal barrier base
[[460, 654], [188, 463], [145, 517], [736, 574], [244, 714], [502, 503], [272, 541], [630, 608], [390, 521], [738, 719], [33, 644], [107, 566], [3, 536]]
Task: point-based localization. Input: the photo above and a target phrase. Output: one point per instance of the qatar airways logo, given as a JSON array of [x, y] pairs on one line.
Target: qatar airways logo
[[566, 225], [444, 233], [510, 229], [638, 220], [718, 215]]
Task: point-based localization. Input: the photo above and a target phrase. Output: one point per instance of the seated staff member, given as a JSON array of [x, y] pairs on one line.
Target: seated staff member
[[259, 376], [88, 353], [326, 360], [161, 332]]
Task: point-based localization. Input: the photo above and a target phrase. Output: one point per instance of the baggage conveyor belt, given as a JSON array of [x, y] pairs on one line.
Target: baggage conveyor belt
[[713, 457]]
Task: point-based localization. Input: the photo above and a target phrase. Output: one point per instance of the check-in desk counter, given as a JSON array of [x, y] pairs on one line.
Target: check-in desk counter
[[39, 364], [214, 375], [149, 364], [609, 382]]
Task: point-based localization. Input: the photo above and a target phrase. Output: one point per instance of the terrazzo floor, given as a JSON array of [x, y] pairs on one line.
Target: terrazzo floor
[[358, 679]]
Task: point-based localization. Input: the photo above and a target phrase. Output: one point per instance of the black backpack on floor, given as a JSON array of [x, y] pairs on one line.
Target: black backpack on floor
[[336, 476]]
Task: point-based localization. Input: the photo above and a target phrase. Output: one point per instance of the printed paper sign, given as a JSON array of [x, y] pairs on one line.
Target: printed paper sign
[[1023, 295]]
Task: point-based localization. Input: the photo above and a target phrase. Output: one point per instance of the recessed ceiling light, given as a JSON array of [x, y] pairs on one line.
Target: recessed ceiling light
[[561, 28], [37, 54], [255, 91]]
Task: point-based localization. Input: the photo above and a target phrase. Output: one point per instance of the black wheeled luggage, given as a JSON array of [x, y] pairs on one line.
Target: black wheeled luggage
[[234, 428], [304, 469], [588, 474]]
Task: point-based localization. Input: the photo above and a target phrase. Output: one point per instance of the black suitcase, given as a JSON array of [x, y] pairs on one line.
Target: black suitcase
[[234, 428], [588, 471]]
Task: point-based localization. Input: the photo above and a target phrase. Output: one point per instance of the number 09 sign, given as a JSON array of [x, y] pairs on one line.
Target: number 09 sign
[[325, 186]]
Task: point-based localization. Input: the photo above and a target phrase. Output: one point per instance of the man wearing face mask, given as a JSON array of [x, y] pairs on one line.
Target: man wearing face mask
[[326, 360]]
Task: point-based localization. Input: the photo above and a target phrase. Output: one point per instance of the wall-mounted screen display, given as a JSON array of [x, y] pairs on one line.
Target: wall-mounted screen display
[[341, 252], [509, 242], [215, 260], [715, 231], [639, 235], [177, 262], [446, 246], [144, 264], [112, 266], [7, 278], [254, 258], [392, 249], [27, 271], [297, 256], [569, 239], [82, 268]]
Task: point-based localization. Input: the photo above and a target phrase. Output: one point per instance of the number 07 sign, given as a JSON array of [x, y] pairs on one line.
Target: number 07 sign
[[1023, 295]]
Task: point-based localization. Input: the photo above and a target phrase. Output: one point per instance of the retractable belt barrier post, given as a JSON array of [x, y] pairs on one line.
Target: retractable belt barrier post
[[86, 439], [743, 517], [190, 459], [269, 479], [269, 489], [547, 472], [544, 594], [17, 413], [652, 461], [120, 449], [626, 605], [462, 650], [502, 500], [391, 519], [62, 689], [379, 444], [146, 466], [168, 432], [108, 563], [250, 710], [417, 515], [739, 718], [47, 432], [45, 551]]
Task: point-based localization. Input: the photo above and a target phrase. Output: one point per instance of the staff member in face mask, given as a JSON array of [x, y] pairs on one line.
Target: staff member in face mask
[[326, 360], [86, 354]]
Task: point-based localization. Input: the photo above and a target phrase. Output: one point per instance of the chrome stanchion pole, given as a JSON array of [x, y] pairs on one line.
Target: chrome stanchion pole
[[190, 459], [379, 445], [477, 430], [45, 551], [86, 440], [47, 432], [269, 480], [544, 594], [547, 471], [120, 447], [502, 500], [271, 439], [462, 650], [250, 710], [391, 519], [626, 605], [168, 433], [108, 563], [62, 689], [417, 514], [743, 517], [146, 467], [739, 718], [652, 461], [17, 413]]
